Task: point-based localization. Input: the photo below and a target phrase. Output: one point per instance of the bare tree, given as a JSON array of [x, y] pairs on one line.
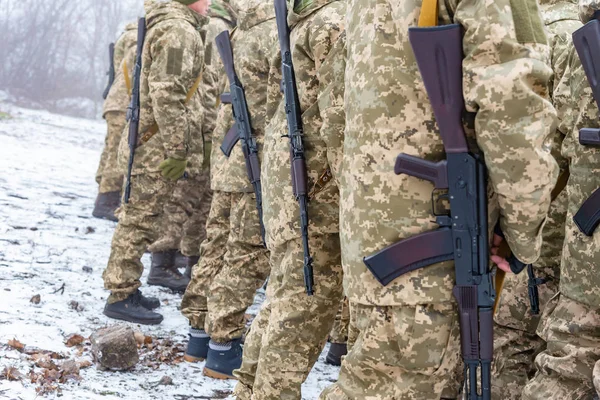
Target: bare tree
[[56, 51]]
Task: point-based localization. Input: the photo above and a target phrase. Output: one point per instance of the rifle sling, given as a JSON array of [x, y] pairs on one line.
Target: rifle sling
[[561, 183], [154, 128], [127, 78], [429, 13], [411, 254]]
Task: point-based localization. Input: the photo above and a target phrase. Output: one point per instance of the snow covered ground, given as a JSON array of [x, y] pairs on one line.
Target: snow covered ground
[[52, 247]]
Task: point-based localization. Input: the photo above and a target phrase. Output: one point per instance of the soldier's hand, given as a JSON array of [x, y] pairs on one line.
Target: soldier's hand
[[172, 168], [497, 253]]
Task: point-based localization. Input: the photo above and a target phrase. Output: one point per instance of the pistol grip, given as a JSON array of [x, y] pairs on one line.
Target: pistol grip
[[437, 173]]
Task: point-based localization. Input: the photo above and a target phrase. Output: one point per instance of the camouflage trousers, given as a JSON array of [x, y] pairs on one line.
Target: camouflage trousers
[[183, 223], [109, 176], [291, 329], [401, 352], [339, 332], [515, 341], [233, 265], [139, 222], [568, 367]]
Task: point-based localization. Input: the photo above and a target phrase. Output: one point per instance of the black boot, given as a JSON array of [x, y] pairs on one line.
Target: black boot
[[180, 260], [221, 362], [163, 272], [197, 347], [336, 351], [132, 310], [106, 204], [191, 261], [150, 303]]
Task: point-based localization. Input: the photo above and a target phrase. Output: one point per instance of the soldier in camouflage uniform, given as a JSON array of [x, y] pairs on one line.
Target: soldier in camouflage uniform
[[183, 225], [515, 341], [568, 368], [109, 176], [172, 61], [408, 345], [234, 262], [291, 329]]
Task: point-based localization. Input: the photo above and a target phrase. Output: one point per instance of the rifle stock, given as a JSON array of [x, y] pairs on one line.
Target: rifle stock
[[242, 130], [295, 132], [587, 43], [111, 70], [133, 111]]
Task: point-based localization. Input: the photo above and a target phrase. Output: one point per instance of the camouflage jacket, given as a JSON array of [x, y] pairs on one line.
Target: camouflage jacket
[[580, 279], [505, 86], [253, 43], [561, 20], [118, 96], [209, 87], [314, 39], [172, 60]]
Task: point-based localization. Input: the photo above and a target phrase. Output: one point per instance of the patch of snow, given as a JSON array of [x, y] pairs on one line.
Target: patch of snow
[[47, 237]]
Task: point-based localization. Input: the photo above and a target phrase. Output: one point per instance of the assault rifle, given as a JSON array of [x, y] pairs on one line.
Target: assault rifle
[[295, 132], [587, 43], [133, 111], [242, 123], [463, 232], [111, 70]]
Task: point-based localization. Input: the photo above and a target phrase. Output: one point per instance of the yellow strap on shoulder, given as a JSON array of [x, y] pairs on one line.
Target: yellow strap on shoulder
[[429, 13], [154, 128], [127, 78]]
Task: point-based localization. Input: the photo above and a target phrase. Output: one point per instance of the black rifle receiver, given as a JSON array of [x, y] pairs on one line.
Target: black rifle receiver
[[587, 43], [133, 111], [242, 122], [295, 132], [111, 70]]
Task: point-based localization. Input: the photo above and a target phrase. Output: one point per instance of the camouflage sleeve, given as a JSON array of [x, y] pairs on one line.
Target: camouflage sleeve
[[175, 53], [587, 9], [328, 46], [331, 103], [506, 76], [120, 50]]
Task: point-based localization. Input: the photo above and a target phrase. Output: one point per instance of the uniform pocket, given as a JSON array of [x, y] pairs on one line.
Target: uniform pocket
[[427, 339]]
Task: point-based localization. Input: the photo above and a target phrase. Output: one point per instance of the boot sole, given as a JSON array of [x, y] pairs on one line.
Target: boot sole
[[193, 359], [121, 317], [216, 375]]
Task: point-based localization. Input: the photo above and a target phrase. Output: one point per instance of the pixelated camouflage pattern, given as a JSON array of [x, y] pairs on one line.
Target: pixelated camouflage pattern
[[253, 42], [212, 250], [138, 226], [233, 264], [298, 325], [388, 113], [191, 196], [515, 341], [252, 345], [314, 34], [209, 90], [172, 60], [118, 97], [194, 228], [339, 332], [388, 354], [108, 175], [565, 368], [245, 269], [587, 8]]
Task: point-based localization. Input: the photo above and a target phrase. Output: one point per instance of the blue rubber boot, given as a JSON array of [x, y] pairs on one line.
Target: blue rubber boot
[[223, 358], [197, 348]]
